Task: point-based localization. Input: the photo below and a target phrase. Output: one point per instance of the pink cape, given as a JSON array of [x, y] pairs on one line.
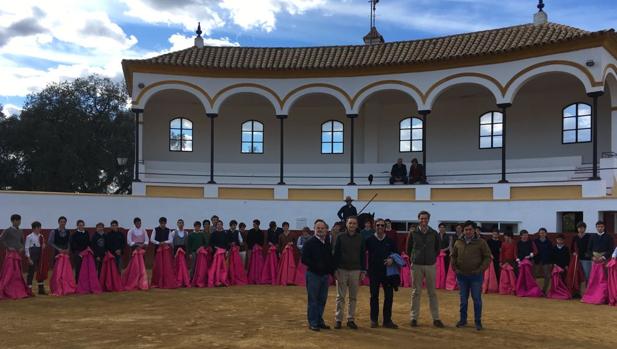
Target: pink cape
[[12, 284], [268, 273], [182, 272], [526, 285], [558, 289], [366, 281], [612, 282], [451, 283], [62, 281], [490, 285], [88, 281], [440, 270], [163, 275], [507, 280], [135, 276], [256, 264], [405, 272], [237, 274], [597, 286], [200, 274], [217, 275], [287, 267], [110, 277], [300, 278]]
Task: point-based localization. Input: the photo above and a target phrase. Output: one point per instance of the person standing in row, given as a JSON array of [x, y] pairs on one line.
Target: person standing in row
[[561, 253], [579, 246], [219, 238], [137, 237], [34, 250], [317, 256], [115, 243], [494, 244], [196, 240], [601, 245], [445, 244], [349, 263], [97, 244], [273, 234], [470, 258], [347, 211], [380, 248], [59, 237], [423, 248], [233, 234], [525, 249], [161, 234], [179, 237], [544, 257], [255, 236], [79, 241], [286, 238], [508, 251]]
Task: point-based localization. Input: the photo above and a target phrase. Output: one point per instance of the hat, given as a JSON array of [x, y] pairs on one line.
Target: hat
[[348, 199]]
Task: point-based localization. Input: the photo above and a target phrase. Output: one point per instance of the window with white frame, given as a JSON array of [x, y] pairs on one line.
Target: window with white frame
[[181, 135], [410, 135], [332, 137], [252, 137], [576, 126], [491, 130]]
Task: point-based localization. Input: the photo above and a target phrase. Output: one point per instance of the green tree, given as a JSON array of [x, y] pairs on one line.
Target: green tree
[[68, 137]]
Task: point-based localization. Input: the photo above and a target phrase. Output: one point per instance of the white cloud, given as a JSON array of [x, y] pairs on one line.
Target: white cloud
[[180, 42], [262, 14], [185, 13], [10, 110]]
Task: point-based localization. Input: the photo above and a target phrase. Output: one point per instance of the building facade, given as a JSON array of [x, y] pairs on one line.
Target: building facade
[[516, 126]]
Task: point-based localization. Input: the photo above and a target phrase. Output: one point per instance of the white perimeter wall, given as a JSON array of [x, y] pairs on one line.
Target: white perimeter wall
[[94, 208]]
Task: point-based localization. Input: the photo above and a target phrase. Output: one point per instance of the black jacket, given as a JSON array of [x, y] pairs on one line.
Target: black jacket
[[219, 239], [604, 244], [561, 256], [79, 241], [254, 237], [97, 244], [273, 235], [398, 171], [317, 256], [115, 241], [347, 211], [378, 252]]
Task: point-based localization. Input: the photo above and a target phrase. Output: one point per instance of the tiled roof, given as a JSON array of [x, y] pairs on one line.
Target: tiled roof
[[483, 43]]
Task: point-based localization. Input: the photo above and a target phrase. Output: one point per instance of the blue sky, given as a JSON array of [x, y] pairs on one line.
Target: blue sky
[[44, 42]]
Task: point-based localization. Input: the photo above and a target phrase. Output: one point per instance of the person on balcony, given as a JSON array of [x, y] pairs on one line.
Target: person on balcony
[[416, 173], [398, 173]]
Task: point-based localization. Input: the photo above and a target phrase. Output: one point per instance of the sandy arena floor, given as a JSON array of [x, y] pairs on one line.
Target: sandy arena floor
[[274, 317]]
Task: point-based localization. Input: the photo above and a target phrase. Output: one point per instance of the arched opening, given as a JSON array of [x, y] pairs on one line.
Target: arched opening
[[160, 152], [246, 119], [541, 124]]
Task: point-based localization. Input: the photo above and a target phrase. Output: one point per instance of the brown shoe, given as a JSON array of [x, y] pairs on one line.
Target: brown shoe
[[374, 324], [413, 323], [438, 323], [337, 325], [352, 325], [42, 290], [390, 325]]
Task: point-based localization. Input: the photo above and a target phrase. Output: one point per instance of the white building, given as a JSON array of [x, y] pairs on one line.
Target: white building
[[515, 125]]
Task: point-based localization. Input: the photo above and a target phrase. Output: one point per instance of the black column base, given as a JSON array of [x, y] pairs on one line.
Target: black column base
[[594, 178], [281, 183], [503, 181], [211, 182], [351, 183], [136, 180]]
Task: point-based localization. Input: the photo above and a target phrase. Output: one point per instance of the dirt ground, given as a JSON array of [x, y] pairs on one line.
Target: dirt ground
[[275, 317]]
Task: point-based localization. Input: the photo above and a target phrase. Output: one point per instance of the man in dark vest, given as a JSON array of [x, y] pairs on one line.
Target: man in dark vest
[[59, 237], [161, 234]]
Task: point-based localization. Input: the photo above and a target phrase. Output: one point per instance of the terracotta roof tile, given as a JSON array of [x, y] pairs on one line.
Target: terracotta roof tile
[[490, 42]]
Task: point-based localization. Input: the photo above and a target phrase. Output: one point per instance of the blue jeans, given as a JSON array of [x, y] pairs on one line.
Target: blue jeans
[[586, 265], [473, 284], [317, 290]]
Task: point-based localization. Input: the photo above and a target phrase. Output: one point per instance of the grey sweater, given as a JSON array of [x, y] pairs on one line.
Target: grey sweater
[[12, 238]]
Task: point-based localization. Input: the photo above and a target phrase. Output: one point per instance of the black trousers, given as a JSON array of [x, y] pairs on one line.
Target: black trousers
[[76, 264], [377, 281], [35, 256]]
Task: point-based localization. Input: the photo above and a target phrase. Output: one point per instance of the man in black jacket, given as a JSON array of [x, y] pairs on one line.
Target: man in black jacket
[[97, 244], [601, 245], [317, 256], [379, 248], [347, 211], [116, 242], [79, 241], [398, 173]]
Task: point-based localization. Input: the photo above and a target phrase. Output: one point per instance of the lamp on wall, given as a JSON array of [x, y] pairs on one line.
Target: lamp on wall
[[122, 161]]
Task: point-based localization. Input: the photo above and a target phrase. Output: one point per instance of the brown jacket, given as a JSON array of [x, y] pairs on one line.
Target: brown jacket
[[470, 258]]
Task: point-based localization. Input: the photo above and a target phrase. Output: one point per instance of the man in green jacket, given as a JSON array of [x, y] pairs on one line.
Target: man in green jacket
[[423, 248], [470, 258]]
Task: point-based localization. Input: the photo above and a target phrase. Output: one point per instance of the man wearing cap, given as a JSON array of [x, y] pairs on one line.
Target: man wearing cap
[[347, 211]]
